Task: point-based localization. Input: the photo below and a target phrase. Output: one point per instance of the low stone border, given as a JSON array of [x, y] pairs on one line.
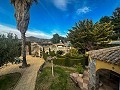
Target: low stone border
[[41, 67]]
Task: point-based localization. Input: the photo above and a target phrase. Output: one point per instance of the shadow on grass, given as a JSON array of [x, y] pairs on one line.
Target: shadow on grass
[[8, 81]]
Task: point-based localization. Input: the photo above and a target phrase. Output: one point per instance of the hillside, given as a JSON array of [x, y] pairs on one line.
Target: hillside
[[35, 39]]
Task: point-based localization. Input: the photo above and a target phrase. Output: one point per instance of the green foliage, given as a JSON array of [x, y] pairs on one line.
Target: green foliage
[[8, 81], [60, 52], [69, 62], [105, 19], [73, 53], [116, 20], [56, 38], [9, 48], [52, 53], [45, 55], [79, 68], [28, 1], [86, 35], [60, 81]]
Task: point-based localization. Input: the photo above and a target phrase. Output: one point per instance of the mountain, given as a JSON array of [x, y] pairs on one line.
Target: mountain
[[35, 39]]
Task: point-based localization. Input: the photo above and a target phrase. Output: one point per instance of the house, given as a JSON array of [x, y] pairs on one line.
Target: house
[[104, 69], [48, 46], [65, 47], [35, 49]]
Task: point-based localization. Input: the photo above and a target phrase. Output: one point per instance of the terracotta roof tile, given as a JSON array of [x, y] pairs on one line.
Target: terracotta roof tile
[[110, 55]]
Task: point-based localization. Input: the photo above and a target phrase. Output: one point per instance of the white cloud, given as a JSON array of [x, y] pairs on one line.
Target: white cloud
[[83, 10], [8, 29], [61, 4]]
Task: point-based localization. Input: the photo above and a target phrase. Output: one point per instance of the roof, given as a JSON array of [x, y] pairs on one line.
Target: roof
[[59, 44], [109, 55]]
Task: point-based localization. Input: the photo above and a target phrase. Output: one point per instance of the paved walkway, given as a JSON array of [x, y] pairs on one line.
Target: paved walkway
[[29, 74]]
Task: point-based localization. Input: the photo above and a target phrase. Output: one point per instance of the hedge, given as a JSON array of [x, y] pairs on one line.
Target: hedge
[[69, 62]]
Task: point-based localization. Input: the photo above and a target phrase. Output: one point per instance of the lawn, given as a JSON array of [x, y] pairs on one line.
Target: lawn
[[8, 81], [61, 80]]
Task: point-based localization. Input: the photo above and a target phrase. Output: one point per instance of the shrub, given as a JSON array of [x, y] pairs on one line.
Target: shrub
[[45, 55], [52, 53], [79, 68], [60, 52], [68, 62]]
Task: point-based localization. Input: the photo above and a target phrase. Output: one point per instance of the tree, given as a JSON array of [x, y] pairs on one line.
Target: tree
[[9, 48], [22, 15], [56, 38], [86, 35], [116, 20], [105, 19]]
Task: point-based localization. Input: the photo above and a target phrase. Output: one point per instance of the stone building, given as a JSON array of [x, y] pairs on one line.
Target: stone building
[[38, 48], [65, 47], [104, 69], [35, 49]]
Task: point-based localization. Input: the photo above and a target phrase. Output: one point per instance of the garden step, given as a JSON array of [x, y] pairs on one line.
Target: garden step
[[81, 81]]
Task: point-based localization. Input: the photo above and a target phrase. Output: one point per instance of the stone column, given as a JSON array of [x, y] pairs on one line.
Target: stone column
[[92, 74]]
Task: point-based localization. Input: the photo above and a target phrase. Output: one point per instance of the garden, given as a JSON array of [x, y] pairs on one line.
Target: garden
[[60, 80], [55, 75]]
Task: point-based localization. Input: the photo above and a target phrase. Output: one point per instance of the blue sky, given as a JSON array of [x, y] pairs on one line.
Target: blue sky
[[55, 16]]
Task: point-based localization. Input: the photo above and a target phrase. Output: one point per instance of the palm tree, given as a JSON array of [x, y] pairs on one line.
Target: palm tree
[[22, 15]]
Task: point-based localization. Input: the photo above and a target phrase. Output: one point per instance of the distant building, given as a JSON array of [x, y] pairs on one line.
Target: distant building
[[38, 47], [35, 49]]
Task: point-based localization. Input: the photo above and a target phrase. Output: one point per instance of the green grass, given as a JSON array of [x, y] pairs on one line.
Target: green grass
[[61, 80], [8, 81]]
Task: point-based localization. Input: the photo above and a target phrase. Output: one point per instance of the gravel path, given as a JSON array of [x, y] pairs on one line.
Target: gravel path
[[29, 74]]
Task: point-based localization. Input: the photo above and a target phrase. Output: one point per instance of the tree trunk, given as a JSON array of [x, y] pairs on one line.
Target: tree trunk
[[24, 63]]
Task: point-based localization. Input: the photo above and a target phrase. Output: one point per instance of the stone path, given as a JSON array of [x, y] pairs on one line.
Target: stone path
[[29, 74]]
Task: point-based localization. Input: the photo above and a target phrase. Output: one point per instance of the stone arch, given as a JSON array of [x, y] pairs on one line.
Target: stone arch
[[107, 79]]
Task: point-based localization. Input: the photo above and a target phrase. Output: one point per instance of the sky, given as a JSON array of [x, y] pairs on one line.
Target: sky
[[55, 16]]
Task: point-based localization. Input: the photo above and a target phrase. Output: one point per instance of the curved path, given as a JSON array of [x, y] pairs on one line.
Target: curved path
[[29, 74]]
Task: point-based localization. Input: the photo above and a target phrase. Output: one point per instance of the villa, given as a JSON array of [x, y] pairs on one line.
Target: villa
[[38, 47]]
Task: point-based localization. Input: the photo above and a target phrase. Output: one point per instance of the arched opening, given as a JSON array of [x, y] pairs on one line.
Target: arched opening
[[107, 80]]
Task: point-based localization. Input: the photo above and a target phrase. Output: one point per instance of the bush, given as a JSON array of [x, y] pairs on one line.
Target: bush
[[60, 52], [69, 62], [52, 53], [78, 56], [79, 68], [45, 55]]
